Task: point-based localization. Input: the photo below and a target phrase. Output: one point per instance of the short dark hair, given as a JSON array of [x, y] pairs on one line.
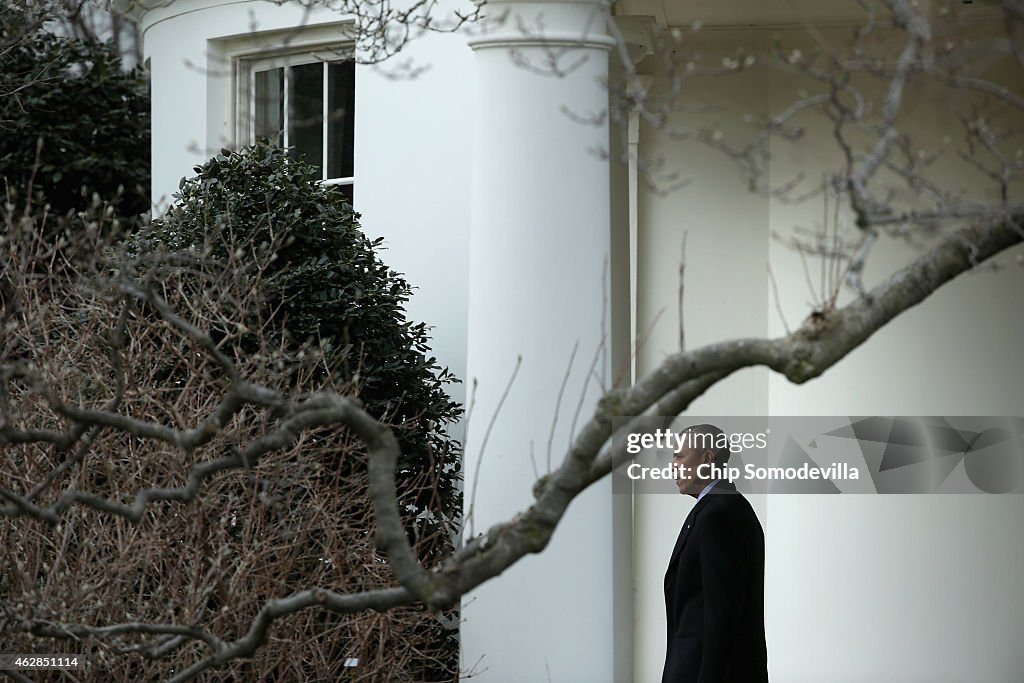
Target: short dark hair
[[718, 438]]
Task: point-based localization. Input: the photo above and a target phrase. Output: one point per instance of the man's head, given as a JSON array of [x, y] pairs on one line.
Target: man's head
[[705, 444]]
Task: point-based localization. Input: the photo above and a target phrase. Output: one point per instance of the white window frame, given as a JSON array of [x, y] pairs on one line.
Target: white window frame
[[244, 90]]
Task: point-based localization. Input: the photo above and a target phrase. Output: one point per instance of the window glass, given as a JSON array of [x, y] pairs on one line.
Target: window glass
[[309, 108], [306, 112], [340, 128], [268, 104]]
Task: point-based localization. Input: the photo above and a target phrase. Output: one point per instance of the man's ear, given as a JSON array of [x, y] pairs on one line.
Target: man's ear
[[709, 456]]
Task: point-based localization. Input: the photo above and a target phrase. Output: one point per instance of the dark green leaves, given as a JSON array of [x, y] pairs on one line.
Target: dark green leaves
[[69, 101]]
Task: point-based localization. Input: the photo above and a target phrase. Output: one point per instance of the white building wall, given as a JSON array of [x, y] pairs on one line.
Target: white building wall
[[413, 151], [900, 587], [866, 587]]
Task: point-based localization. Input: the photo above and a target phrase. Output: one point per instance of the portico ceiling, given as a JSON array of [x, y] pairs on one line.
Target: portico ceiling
[[762, 13]]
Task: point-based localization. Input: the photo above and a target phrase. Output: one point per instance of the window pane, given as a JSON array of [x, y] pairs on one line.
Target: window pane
[[306, 112], [341, 119], [269, 104]]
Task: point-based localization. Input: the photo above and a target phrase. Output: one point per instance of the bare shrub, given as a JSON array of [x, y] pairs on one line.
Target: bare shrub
[[92, 333]]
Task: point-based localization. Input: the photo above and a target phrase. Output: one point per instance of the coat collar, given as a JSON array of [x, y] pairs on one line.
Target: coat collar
[[722, 487]]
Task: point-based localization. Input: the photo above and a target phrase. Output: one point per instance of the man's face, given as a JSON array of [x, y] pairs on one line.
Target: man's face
[[687, 459]]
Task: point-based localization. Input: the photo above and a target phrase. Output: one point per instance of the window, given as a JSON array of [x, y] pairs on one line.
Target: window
[[305, 103]]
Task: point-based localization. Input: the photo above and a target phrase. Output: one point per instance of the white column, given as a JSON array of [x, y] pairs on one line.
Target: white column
[[538, 275]]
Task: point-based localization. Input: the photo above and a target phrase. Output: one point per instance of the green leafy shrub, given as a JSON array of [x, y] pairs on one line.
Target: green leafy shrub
[[327, 285], [72, 121]]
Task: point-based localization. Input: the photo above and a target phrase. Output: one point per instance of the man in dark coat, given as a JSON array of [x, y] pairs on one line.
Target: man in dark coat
[[714, 587]]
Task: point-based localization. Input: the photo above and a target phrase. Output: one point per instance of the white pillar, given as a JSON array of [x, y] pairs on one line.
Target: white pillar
[[538, 281]]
